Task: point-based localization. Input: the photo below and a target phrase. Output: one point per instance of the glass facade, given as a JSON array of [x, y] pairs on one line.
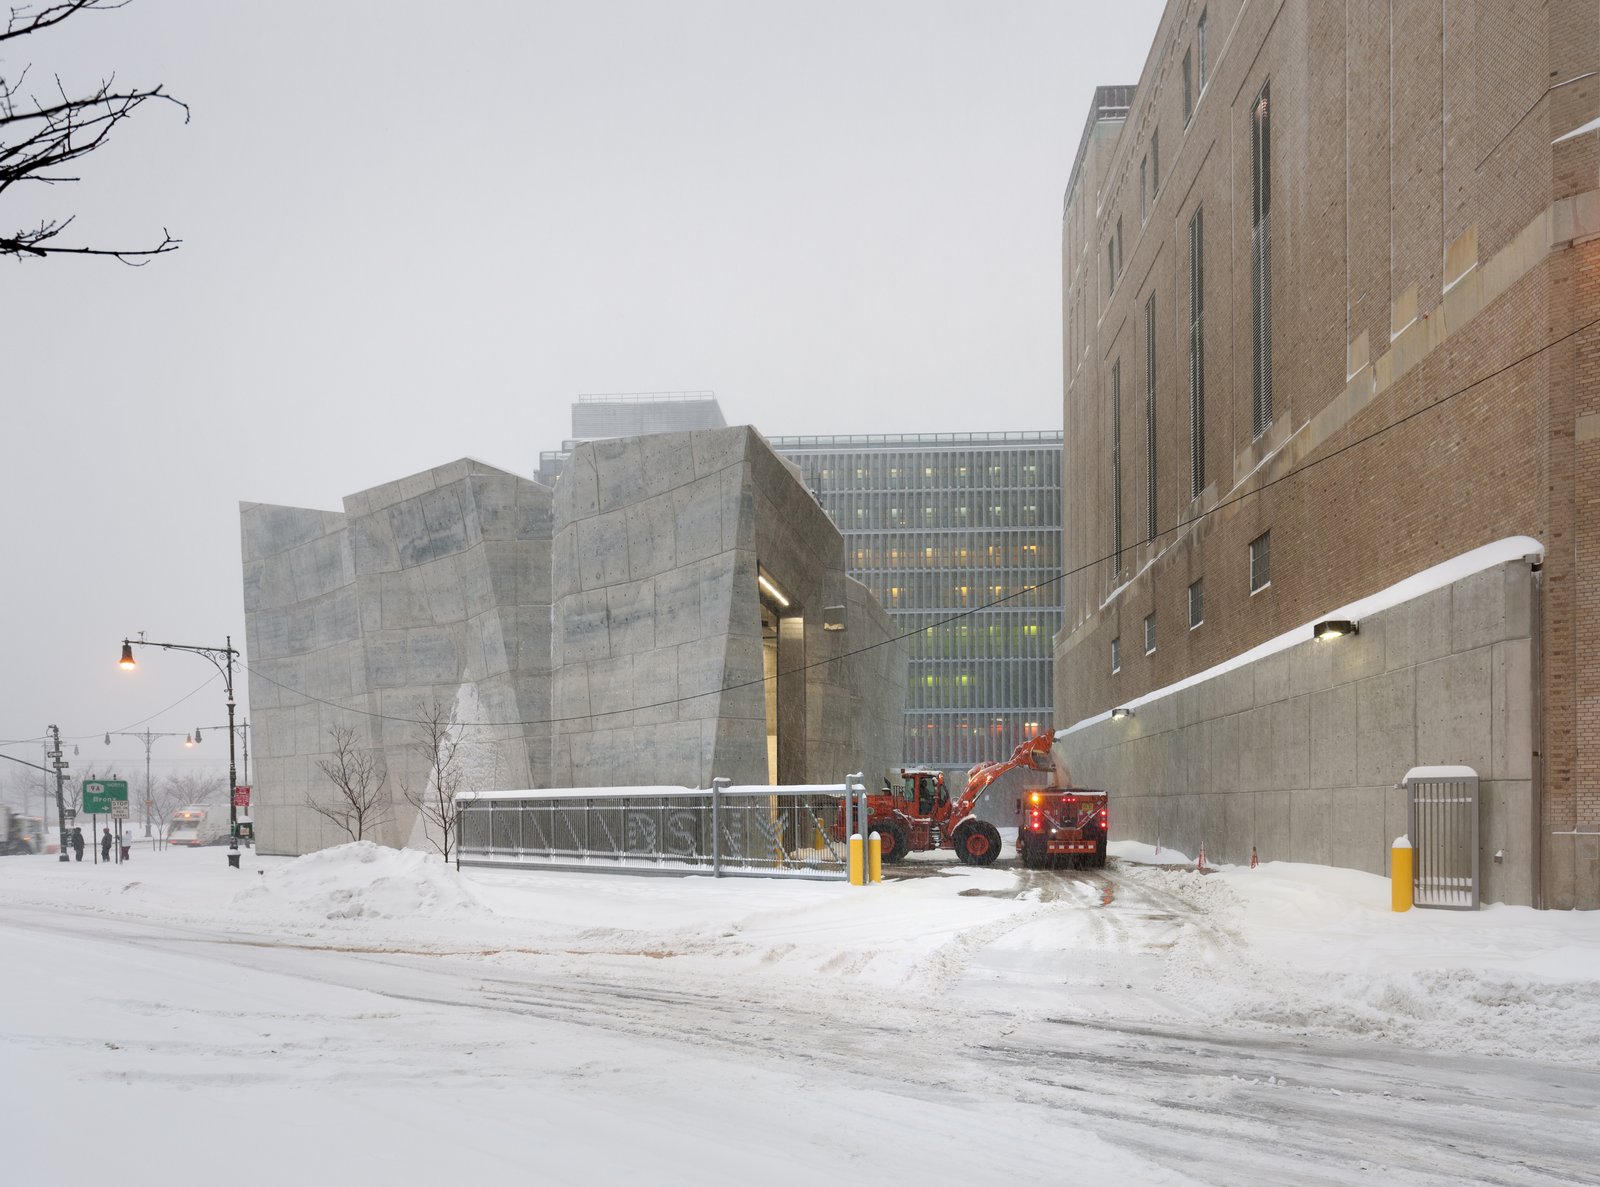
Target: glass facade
[[959, 538]]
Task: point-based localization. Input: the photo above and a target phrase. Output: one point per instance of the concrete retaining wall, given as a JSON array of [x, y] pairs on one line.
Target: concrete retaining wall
[[1299, 754]]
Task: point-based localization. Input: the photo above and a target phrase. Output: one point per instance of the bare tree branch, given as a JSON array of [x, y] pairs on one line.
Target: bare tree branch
[[359, 779], [26, 19], [39, 136], [437, 738]]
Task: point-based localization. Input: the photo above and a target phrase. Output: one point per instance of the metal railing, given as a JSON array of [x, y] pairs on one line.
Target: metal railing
[[795, 831]]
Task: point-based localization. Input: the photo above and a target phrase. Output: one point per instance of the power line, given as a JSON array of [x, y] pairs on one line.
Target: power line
[[1229, 501]]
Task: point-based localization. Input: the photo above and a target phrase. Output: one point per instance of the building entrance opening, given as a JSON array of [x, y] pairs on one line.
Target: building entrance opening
[[783, 665]]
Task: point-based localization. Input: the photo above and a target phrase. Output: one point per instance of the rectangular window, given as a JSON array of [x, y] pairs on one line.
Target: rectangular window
[[1188, 86], [1197, 362], [1197, 603], [1155, 161], [1122, 259], [1149, 633], [1150, 418], [1116, 465], [1261, 562], [1200, 49], [1111, 264], [1144, 189], [1261, 261], [1116, 656]]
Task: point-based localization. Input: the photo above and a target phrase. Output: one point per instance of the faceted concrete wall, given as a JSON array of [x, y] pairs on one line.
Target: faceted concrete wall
[[1299, 754], [431, 590], [437, 590], [657, 648]]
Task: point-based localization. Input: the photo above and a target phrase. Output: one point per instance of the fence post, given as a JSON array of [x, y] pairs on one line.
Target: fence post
[[717, 786]]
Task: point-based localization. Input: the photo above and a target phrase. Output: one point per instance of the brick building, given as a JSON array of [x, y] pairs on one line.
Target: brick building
[[1330, 279]]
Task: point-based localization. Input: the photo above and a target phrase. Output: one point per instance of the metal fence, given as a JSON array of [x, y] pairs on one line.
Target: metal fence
[[724, 832], [1442, 818]]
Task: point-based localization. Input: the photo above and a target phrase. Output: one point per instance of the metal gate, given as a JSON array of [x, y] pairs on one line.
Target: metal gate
[[724, 831], [1442, 817]]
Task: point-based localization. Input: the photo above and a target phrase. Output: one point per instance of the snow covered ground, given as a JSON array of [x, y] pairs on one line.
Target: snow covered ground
[[365, 1015]]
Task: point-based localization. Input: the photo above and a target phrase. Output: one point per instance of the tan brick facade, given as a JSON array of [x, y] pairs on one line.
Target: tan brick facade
[[1435, 373]]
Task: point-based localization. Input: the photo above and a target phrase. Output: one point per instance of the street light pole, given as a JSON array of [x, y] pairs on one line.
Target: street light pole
[[243, 730], [148, 737], [222, 659]]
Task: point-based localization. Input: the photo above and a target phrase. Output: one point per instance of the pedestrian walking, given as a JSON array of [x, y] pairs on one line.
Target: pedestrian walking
[[77, 843], [127, 843], [105, 845]]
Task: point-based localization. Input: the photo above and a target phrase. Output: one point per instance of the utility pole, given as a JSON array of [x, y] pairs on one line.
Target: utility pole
[[54, 755]]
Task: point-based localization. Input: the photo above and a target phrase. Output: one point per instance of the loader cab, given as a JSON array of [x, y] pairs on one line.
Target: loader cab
[[922, 791]]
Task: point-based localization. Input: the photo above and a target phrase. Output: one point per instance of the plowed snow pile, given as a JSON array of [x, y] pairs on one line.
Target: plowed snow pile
[[1317, 950], [361, 881]]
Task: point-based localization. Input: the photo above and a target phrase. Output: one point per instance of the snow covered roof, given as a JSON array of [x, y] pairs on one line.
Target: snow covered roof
[[1440, 575]]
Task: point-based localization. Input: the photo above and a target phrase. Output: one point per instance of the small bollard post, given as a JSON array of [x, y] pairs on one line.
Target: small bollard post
[[855, 821], [1401, 868], [874, 857]]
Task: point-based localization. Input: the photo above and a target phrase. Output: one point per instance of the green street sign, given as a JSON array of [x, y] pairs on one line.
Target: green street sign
[[100, 794]]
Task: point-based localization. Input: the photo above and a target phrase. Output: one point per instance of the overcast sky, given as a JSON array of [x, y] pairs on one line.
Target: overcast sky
[[413, 232]]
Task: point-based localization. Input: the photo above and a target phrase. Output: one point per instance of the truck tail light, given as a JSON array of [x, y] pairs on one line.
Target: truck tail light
[[1035, 823]]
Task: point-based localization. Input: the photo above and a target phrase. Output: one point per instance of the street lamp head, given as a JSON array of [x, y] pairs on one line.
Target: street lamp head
[[127, 656], [108, 739], [197, 734], [188, 739]]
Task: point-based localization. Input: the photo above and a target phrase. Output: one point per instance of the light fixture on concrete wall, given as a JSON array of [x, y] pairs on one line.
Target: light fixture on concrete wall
[[770, 588], [833, 618], [1120, 712], [1333, 628]]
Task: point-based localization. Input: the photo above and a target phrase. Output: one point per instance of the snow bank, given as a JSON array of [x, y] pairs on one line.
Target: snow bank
[[1501, 981], [362, 881]]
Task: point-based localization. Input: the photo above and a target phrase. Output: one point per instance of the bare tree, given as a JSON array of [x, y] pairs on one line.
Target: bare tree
[[359, 779], [182, 789], [41, 134], [438, 737]]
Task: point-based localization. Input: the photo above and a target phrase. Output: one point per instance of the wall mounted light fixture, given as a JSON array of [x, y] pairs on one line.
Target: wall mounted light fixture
[[1333, 628]]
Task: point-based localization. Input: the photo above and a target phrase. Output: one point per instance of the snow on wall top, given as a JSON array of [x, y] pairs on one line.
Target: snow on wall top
[[1440, 575], [1423, 774]]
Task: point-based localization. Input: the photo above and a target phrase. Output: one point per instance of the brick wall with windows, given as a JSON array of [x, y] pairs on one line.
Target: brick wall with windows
[[1433, 378]]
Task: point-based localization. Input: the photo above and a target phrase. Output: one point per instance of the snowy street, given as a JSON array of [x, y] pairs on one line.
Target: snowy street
[[373, 1015]]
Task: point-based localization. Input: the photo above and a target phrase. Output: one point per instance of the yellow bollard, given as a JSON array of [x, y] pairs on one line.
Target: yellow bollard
[[875, 857], [1400, 873], [856, 863]]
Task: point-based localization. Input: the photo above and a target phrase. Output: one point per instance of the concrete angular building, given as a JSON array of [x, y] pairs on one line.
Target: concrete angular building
[[1329, 330], [680, 612]]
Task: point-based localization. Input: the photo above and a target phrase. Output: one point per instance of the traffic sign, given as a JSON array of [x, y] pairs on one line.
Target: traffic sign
[[241, 796], [100, 794], [119, 809]]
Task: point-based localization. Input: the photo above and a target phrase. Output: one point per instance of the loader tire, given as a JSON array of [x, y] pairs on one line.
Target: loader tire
[[977, 843], [1100, 852], [891, 840]]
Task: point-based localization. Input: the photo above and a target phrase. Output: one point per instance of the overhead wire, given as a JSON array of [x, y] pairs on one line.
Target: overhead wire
[[1232, 499]]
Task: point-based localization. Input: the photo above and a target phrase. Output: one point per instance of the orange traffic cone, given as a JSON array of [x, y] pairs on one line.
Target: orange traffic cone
[[1254, 860]]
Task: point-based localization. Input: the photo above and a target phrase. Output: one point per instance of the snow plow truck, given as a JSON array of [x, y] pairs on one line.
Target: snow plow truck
[[1053, 822]]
